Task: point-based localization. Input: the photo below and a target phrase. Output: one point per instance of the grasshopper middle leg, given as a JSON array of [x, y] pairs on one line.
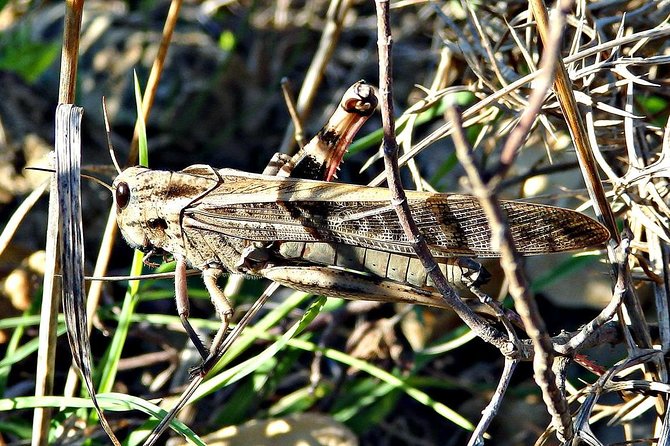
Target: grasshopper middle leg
[[224, 310], [221, 303]]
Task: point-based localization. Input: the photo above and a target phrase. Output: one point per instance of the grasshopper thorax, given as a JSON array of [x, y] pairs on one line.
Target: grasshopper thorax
[[149, 205]]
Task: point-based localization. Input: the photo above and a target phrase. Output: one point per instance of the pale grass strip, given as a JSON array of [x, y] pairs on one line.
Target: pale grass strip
[[17, 217], [46, 355]]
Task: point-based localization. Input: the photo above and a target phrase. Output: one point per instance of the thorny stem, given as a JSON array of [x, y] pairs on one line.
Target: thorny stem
[[518, 285], [552, 393], [544, 350], [596, 389], [445, 129], [399, 199], [588, 166], [585, 155]]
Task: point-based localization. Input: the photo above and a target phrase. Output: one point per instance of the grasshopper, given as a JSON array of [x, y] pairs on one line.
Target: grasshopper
[[333, 239]]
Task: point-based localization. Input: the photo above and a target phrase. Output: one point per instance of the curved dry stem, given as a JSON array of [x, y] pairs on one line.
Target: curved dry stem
[[399, 201]]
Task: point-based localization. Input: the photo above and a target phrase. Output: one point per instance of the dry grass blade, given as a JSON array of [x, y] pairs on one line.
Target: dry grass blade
[[564, 91], [337, 11], [66, 93], [155, 74], [68, 175], [69, 58], [111, 228], [46, 355]]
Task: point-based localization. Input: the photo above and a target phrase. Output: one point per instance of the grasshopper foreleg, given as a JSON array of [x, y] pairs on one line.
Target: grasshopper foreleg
[[183, 307]]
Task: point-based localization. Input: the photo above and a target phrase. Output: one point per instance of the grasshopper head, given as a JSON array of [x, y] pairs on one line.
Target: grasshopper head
[[150, 206], [135, 192]]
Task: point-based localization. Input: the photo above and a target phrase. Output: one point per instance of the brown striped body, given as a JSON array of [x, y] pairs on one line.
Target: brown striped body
[[255, 224]]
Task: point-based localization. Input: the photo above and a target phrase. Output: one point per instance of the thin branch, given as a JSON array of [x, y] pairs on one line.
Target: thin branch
[[542, 84], [518, 286], [287, 92], [399, 199]]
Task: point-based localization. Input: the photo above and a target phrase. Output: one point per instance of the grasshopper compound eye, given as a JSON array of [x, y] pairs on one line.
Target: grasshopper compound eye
[[122, 195]]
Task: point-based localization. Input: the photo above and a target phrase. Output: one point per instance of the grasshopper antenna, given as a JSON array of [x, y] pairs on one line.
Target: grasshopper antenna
[[98, 181], [83, 175], [169, 275], [108, 132]]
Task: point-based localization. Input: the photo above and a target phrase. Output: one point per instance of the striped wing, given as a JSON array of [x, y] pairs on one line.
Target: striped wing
[[269, 209]]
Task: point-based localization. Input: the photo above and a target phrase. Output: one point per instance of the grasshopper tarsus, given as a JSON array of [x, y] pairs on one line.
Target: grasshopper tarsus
[[207, 364], [193, 336], [198, 371]]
